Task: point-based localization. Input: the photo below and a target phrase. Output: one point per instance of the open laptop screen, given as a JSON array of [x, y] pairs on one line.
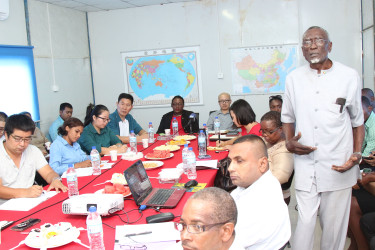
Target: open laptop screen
[[138, 181]]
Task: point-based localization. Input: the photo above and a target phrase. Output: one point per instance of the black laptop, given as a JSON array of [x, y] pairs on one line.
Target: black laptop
[[143, 192]]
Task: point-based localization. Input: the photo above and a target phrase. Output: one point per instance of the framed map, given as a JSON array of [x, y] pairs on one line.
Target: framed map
[[154, 77], [262, 69]]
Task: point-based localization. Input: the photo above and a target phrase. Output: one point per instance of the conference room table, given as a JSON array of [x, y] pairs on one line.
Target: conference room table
[[50, 211]]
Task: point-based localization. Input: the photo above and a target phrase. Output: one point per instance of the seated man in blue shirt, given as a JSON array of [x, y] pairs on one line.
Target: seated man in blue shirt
[[122, 122], [223, 114], [66, 111]]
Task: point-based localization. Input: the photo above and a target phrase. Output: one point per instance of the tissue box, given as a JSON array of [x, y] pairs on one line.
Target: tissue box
[[170, 175]]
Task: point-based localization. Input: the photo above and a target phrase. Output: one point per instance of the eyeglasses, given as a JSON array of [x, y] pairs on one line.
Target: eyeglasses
[[104, 119], [177, 104], [268, 132], [225, 101], [20, 139], [195, 228], [317, 41], [275, 97]]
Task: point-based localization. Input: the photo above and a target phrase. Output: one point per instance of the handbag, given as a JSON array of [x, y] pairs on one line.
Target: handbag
[[222, 179]]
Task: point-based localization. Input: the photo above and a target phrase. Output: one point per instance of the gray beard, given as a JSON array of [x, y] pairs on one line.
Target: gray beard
[[315, 60]]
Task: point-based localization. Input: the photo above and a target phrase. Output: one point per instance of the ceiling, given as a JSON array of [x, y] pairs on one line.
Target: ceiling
[[100, 5]]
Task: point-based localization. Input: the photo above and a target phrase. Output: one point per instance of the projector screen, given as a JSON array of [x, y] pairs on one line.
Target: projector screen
[[17, 81]]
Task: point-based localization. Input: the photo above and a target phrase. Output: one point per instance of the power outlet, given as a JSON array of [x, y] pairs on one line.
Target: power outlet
[[220, 75]]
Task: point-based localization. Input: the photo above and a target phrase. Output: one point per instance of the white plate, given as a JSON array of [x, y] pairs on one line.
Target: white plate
[[221, 132], [159, 164], [36, 242], [185, 137], [101, 191], [168, 147], [170, 156]]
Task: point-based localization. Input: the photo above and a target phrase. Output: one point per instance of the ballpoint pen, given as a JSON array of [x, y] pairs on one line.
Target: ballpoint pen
[[136, 234]]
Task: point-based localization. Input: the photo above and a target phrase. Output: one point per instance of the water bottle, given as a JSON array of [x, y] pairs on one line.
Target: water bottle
[[202, 143], [95, 161], [206, 131], [217, 125], [95, 229], [133, 142], [150, 133], [185, 152], [175, 126], [191, 168], [72, 180]]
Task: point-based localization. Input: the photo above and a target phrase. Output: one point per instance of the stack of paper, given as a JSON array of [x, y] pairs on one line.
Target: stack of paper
[[25, 204]]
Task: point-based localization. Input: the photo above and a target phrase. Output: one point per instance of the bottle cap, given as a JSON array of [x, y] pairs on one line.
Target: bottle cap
[[150, 123], [131, 131], [92, 209], [70, 165], [93, 147], [186, 145], [216, 117], [204, 124], [190, 148], [201, 131], [174, 118]]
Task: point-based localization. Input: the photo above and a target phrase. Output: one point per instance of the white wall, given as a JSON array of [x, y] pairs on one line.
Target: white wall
[[252, 22], [60, 40]]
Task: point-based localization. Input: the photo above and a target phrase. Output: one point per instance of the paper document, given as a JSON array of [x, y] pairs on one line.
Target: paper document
[[81, 172], [25, 204], [146, 233], [204, 163]]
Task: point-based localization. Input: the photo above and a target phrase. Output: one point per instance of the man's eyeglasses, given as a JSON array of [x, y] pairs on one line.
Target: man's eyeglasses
[[20, 139], [177, 104], [195, 228], [263, 132], [225, 101], [317, 41], [104, 119]]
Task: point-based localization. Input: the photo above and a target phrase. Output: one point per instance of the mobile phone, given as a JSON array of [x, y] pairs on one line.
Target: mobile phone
[[25, 224]]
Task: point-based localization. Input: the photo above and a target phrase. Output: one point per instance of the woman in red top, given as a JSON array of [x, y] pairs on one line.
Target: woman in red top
[[243, 117]]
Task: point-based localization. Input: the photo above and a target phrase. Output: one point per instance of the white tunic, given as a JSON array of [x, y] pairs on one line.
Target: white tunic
[[310, 101], [263, 217]]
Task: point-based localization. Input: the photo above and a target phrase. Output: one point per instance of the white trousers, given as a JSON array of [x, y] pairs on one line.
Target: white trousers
[[333, 215]]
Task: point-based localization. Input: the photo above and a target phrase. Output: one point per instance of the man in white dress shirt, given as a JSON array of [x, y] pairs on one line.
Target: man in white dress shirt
[[263, 218], [323, 124]]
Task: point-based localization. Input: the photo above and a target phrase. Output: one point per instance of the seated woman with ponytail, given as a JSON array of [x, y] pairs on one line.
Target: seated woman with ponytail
[[65, 150], [96, 133]]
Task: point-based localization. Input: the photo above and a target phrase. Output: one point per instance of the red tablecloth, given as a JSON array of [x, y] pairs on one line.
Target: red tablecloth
[[50, 210]]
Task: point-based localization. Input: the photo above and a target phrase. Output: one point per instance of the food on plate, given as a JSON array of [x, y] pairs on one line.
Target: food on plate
[[159, 154], [150, 165], [51, 235], [184, 137], [118, 178], [215, 148], [116, 189], [168, 147], [177, 142]]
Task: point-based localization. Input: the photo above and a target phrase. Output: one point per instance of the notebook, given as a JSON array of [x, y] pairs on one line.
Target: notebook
[[143, 192]]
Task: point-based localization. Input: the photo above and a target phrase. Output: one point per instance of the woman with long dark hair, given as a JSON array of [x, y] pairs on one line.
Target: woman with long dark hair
[[96, 133]]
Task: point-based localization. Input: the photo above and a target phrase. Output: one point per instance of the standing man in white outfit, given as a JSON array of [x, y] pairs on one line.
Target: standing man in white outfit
[[323, 125]]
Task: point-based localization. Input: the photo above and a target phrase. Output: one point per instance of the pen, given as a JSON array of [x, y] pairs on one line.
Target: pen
[[136, 234], [219, 136]]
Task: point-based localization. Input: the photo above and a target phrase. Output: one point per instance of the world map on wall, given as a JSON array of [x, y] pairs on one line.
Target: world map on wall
[[155, 79], [262, 69]]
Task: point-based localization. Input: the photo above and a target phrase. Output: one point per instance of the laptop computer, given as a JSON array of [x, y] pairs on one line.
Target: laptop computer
[[143, 192]]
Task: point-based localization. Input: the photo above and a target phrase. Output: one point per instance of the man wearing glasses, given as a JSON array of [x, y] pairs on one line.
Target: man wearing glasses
[[263, 217], [223, 114], [19, 161], [208, 220], [122, 122], [323, 125]]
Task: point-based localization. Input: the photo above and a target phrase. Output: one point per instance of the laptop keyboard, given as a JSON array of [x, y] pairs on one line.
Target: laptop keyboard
[[160, 197]]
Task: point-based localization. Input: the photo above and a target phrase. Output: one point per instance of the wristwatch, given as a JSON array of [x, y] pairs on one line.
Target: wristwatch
[[56, 178]]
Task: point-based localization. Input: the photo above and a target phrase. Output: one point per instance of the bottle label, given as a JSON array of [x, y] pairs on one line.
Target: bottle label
[[217, 124], [151, 130], [133, 139], [191, 160], [71, 177], [175, 124], [201, 139], [93, 229]]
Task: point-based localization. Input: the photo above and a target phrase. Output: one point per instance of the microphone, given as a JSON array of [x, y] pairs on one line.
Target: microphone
[[192, 118]]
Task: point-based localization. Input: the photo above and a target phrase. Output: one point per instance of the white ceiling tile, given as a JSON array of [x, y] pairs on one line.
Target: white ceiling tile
[[88, 8], [70, 4]]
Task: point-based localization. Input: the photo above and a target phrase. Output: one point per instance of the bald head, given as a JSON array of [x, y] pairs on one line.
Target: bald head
[[260, 148]]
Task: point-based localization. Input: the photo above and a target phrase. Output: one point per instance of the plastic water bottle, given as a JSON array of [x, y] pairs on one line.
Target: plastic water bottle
[[95, 161], [95, 229], [72, 180], [202, 143], [185, 152], [175, 126], [206, 131], [217, 125], [133, 142], [150, 133], [191, 162]]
